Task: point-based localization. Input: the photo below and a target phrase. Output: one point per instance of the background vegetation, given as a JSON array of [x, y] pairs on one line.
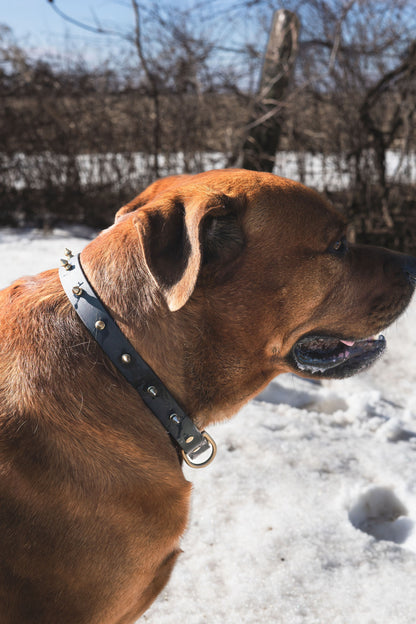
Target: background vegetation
[[181, 94]]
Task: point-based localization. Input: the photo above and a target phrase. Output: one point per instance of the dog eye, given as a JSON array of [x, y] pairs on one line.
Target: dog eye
[[340, 247]]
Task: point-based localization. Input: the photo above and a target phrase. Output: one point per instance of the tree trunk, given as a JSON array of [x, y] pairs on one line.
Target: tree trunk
[[265, 127]]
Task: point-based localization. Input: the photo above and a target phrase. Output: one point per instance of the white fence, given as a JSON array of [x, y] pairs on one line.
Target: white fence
[[331, 172]]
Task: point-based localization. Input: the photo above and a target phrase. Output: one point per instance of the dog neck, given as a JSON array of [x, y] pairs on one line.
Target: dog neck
[[198, 448]]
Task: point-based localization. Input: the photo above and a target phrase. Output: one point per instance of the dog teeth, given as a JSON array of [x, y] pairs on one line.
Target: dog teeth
[[351, 343]]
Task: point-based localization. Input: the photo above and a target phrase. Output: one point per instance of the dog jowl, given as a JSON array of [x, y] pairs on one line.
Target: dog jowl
[[221, 281]]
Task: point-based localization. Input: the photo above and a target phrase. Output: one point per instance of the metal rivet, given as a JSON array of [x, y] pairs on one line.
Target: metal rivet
[[152, 391], [100, 325], [68, 253], [77, 291], [189, 439], [176, 419], [66, 265], [126, 358]]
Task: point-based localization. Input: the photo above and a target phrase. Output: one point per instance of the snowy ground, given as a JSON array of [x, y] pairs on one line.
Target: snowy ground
[[307, 515]]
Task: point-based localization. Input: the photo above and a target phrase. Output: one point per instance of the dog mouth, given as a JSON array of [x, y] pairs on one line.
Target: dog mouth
[[333, 357]]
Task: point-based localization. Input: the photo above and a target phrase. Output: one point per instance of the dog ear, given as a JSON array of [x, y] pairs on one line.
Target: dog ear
[[171, 251], [176, 242]]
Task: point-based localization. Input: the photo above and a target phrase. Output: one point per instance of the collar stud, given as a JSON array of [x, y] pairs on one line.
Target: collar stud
[[152, 390], [175, 418]]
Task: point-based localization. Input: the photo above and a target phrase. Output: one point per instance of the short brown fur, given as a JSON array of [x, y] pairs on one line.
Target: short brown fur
[[213, 278]]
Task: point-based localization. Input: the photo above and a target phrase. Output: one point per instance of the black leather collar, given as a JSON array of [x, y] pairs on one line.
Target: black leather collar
[[117, 347]]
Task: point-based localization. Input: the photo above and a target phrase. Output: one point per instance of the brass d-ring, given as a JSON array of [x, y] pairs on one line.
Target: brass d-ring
[[210, 458]]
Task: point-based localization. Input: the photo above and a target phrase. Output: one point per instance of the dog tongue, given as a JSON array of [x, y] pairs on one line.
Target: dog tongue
[[349, 343]]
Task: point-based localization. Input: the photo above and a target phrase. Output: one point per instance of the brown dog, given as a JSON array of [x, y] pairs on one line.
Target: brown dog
[[221, 281]]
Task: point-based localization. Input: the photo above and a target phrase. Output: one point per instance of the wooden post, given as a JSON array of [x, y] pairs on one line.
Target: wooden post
[[265, 126]]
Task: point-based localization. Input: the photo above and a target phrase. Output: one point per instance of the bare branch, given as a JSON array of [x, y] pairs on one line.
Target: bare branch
[[338, 33], [98, 30]]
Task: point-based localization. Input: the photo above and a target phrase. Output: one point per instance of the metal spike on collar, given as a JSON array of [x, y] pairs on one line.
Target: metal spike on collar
[[66, 265]]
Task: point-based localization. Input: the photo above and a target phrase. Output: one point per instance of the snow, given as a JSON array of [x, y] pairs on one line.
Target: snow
[[307, 515]]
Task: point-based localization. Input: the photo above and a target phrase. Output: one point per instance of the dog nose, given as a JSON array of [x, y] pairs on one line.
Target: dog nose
[[409, 268]]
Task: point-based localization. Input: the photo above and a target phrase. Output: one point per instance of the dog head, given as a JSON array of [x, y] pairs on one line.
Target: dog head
[[260, 269]]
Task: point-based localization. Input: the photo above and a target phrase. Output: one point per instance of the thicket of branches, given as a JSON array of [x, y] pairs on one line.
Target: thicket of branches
[[78, 141]]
